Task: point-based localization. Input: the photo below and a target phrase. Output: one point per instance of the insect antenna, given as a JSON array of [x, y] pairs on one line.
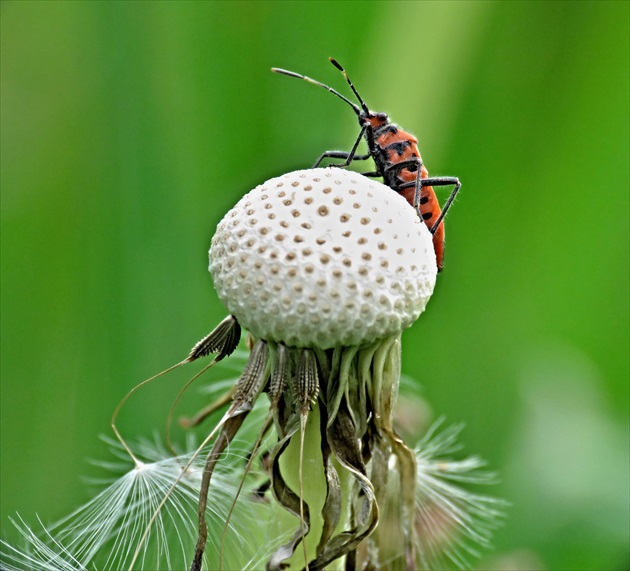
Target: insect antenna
[[345, 74], [354, 106]]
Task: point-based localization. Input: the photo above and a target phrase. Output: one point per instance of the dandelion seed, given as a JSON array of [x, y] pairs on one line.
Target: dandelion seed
[[452, 523], [104, 533]]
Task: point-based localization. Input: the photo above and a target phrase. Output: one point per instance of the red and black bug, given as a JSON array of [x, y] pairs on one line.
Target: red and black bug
[[397, 159]]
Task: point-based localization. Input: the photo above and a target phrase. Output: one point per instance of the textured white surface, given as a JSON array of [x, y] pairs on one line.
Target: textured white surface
[[323, 258]]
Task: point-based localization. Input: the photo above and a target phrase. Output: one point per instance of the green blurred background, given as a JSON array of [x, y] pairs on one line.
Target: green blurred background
[[130, 128]]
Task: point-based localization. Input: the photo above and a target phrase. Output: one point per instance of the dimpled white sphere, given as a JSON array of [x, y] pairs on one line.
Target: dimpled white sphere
[[323, 258]]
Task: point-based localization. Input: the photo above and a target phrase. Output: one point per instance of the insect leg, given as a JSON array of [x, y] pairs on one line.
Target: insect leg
[[416, 194], [443, 181], [397, 167], [340, 155], [414, 164], [351, 156]]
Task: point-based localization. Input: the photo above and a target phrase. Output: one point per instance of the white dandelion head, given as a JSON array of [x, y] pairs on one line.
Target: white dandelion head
[[323, 258]]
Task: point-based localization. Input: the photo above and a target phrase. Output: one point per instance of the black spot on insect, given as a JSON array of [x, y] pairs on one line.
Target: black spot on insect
[[424, 199], [398, 146], [386, 129], [427, 215]]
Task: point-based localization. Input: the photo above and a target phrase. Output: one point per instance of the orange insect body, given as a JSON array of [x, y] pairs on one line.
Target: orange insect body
[[397, 159], [390, 140]]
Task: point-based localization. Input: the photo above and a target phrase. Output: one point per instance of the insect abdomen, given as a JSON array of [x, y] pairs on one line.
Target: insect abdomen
[[396, 146]]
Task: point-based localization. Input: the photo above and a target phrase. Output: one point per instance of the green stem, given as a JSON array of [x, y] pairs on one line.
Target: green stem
[[314, 489]]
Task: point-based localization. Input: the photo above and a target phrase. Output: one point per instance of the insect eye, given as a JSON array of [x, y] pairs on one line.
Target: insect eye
[[381, 116]]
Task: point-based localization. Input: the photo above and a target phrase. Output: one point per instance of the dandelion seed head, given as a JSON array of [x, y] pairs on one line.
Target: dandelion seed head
[[324, 238]]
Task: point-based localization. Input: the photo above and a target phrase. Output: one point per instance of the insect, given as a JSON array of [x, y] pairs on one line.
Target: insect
[[397, 159]]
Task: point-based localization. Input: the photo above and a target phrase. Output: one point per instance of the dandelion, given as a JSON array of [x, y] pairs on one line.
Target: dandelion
[[325, 269]]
